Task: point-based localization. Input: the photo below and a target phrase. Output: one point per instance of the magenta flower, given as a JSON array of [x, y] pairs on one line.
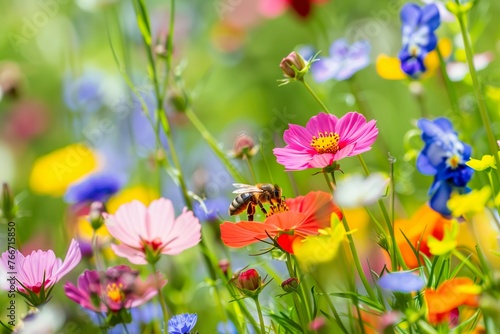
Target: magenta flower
[[325, 139], [112, 291], [147, 232], [38, 272]]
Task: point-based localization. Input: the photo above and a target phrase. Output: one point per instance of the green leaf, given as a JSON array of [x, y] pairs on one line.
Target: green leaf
[[356, 297], [288, 323]]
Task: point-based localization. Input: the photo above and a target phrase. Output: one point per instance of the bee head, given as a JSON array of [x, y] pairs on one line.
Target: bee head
[[277, 191]]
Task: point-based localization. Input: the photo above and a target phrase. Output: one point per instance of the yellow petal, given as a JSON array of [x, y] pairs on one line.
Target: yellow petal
[[431, 61], [139, 193], [445, 46], [389, 68], [54, 172], [487, 161]]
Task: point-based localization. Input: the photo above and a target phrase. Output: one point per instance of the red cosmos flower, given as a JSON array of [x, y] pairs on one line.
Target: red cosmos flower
[[272, 8], [300, 217]]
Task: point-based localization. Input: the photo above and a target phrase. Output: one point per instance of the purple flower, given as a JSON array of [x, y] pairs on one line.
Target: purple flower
[[84, 93], [212, 209], [419, 38], [401, 281], [96, 187], [344, 60], [444, 157], [182, 323]]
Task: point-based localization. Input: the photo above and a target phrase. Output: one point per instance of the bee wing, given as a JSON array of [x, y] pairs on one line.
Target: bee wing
[[245, 188]]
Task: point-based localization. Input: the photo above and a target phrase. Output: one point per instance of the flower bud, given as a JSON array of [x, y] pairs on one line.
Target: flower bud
[[10, 79], [224, 265], [290, 284], [292, 66], [179, 101], [244, 147], [249, 280], [95, 215], [8, 203]]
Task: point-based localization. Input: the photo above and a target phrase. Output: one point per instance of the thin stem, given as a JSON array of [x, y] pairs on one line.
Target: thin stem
[[95, 251], [483, 111], [250, 168], [261, 318], [233, 170], [125, 328], [325, 108], [329, 184], [469, 265], [163, 305], [452, 94], [355, 257], [300, 311], [331, 306]]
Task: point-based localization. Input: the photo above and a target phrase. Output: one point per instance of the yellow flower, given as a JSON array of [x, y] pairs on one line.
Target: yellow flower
[[54, 172], [487, 161], [390, 67], [449, 242], [84, 231], [139, 193], [322, 248], [473, 202]]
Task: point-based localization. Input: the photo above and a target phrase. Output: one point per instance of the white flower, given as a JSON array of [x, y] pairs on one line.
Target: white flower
[[356, 190]]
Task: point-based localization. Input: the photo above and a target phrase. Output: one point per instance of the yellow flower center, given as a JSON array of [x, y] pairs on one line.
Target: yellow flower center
[[453, 161], [326, 142], [114, 292], [277, 208]]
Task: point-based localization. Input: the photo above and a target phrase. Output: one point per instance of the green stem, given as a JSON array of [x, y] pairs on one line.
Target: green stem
[[163, 305], [477, 88], [452, 94], [357, 263], [261, 318], [233, 170], [298, 305], [309, 89], [467, 263], [328, 183], [250, 168], [95, 251], [331, 306]]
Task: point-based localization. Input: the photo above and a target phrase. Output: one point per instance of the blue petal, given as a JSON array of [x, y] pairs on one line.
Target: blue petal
[[411, 15], [431, 43], [424, 166], [413, 66], [430, 16], [401, 281], [96, 187], [182, 323], [339, 49], [440, 197], [444, 123]]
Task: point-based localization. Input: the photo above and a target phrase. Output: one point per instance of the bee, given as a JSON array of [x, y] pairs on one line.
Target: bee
[[251, 196]]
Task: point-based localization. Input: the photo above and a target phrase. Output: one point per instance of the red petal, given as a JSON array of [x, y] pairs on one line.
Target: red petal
[[244, 233], [286, 242], [301, 7], [318, 206]]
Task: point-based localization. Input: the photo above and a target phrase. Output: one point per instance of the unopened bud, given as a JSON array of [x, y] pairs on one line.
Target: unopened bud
[[95, 215], [10, 79], [179, 101], [8, 203], [224, 265], [292, 65], [244, 147], [290, 284], [249, 280]]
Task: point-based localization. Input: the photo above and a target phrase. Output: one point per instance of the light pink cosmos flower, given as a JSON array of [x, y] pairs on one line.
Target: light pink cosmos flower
[[40, 270], [147, 232], [325, 139]]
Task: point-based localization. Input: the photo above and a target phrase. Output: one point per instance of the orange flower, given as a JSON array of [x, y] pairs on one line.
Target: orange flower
[[300, 217], [424, 223], [445, 300]]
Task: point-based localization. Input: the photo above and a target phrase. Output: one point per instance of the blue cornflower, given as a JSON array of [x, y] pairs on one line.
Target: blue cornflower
[[84, 93], [182, 323], [96, 187], [212, 209], [444, 157], [419, 38], [342, 63], [401, 281]]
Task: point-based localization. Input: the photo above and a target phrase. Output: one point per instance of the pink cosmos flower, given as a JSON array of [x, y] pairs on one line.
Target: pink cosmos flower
[[40, 270], [273, 8], [118, 288], [325, 139], [147, 232]]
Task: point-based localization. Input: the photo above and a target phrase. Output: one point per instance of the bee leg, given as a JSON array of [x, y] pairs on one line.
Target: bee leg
[[250, 211], [262, 208]]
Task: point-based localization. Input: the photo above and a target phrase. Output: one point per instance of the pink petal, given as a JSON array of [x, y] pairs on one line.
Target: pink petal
[[133, 255], [292, 159], [272, 8], [184, 233], [321, 160], [128, 225], [297, 137], [73, 257], [353, 128], [321, 123], [344, 152], [161, 217]]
